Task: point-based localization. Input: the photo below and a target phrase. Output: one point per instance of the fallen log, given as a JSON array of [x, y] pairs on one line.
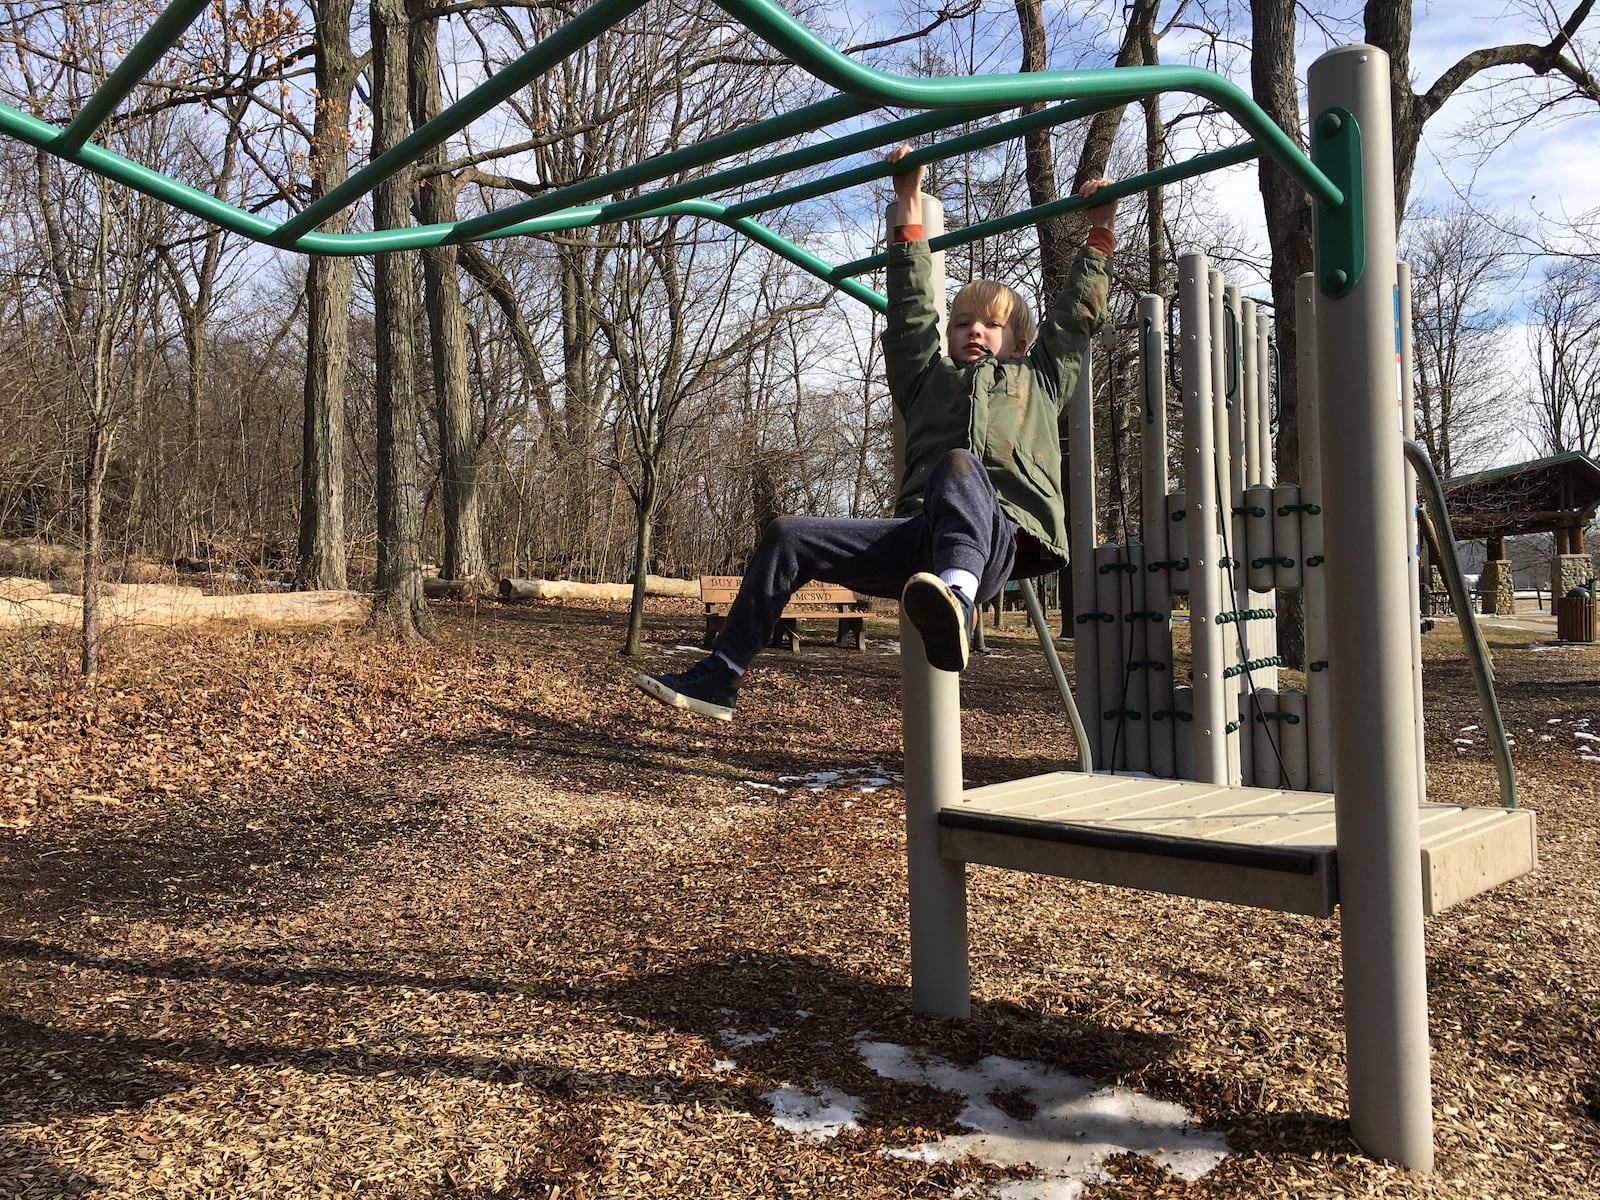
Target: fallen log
[[155, 605], [570, 589], [435, 588]]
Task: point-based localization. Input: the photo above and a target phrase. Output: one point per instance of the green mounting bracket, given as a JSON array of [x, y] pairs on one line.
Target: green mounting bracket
[[1339, 233]]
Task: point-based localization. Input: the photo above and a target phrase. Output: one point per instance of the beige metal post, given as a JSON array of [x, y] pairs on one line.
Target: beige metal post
[[1365, 530], [931, 717]]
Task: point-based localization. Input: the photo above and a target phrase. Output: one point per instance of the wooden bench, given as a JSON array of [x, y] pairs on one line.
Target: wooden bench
[[813, 600]]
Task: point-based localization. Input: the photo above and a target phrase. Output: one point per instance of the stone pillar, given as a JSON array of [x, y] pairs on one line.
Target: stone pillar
[[1498, 588], [1568, 571]]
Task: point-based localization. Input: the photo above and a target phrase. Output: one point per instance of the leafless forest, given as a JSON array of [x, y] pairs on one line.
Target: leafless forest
[[641, 395]]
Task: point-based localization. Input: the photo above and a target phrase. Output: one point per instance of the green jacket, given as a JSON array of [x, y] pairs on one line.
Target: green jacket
[[1006, 413]]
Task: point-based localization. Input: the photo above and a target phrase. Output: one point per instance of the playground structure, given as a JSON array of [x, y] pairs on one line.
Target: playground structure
[[1363, 851]]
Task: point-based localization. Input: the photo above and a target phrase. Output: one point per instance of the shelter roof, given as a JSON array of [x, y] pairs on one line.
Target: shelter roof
[[1544, 494]]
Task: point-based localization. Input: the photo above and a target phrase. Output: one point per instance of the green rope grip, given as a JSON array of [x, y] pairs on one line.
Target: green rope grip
[[1180, 514], [1177, 714], [1255, 664], [1320, 665], [1285, 509], [1291, 718], [1225, 561], [1107, 568], [1132, 714], [1172, 564], [1249, 510], [1314, 560], [1085, 617], [1147, 615], [1146, 359], [1231, 727], [1147, 664], [1280, 560]]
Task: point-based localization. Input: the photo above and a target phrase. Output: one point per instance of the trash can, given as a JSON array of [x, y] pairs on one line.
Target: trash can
[[1575, 616]]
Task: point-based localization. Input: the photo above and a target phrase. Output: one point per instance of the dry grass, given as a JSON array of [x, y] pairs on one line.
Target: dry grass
[[297, 915]]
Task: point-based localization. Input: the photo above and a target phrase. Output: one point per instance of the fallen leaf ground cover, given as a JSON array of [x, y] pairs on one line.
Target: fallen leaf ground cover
[[301, 914]]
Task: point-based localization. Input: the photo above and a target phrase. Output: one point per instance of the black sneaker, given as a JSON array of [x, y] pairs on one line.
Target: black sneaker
[[710, 687], [943, 616]]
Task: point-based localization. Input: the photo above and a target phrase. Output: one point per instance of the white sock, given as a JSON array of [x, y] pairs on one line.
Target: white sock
[[964, 582], [732, 666]]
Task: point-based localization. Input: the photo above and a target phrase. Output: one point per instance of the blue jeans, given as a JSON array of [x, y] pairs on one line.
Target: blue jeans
[[961, 527]]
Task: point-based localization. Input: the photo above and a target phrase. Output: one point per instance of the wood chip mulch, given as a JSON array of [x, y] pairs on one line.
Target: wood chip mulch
[[300, 915]]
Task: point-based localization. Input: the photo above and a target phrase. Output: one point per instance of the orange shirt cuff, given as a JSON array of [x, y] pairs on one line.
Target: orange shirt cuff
[[909, 233], [1102, 240]]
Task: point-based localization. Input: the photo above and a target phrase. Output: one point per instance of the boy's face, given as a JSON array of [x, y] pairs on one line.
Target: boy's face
[[971, 335]]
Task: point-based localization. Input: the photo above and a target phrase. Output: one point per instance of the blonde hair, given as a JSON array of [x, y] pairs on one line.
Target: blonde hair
[[996, 302]]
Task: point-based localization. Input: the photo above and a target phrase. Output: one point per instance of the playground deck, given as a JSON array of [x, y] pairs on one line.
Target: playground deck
[[1263, 847]]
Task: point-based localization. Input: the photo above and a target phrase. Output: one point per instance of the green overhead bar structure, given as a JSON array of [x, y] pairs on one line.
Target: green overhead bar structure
[[936, 105]]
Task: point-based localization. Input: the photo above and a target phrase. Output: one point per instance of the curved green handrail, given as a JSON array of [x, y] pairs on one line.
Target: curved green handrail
[[937, 104]]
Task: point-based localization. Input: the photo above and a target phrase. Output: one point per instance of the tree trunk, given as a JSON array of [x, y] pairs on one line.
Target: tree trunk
[[460, 501], [321, 564], [399, 606], [645, 509], [96, 456], [1288, 214]]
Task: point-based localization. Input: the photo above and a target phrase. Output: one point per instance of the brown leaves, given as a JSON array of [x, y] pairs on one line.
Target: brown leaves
[[303, 915]]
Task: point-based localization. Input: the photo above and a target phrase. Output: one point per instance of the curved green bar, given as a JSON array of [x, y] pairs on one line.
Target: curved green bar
[[939, 103]]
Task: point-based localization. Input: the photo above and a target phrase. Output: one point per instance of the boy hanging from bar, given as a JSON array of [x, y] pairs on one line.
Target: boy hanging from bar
[[981, 500]]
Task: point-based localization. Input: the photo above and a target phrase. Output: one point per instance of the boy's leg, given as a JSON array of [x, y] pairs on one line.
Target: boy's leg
[[873, 556], [974, 547], [967, 527]]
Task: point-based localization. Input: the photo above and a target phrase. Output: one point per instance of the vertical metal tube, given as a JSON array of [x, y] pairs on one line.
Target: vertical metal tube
[[1155, 527], [1228, 467], [931, 719], [1249, 395], [1202, 516], [1408, 425], [1086, 627], [1319, 740], [1265, 363], [1110, 590], [1386, 999]]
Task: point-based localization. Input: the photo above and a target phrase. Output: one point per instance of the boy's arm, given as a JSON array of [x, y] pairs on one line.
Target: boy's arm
[[1080, 306], [911, 335]]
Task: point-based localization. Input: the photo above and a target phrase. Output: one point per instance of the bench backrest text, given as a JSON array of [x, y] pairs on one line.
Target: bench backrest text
[[721, 589]]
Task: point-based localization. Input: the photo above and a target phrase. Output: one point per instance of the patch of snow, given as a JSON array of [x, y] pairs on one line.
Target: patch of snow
[[1074, 1128], [1463, 741], [862, 779], [1585, 737], [732, 1037], [1469, 729], [723, 1065], [815, 1115]]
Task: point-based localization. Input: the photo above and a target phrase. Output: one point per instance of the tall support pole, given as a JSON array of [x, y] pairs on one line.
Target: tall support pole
[[941, 981], [1319, 748], [1154, 527], [1408, 426], [1201, 515], [1364, 521], [1087, 625]]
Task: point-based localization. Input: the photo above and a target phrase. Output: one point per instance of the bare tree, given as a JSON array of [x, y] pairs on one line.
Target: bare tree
[[1460, 265], [462, 514], [321, 561], [398, 605], [1566, 352]]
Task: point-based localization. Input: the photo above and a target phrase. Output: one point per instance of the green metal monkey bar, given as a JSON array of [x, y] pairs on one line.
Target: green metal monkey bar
[[936, 104]]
